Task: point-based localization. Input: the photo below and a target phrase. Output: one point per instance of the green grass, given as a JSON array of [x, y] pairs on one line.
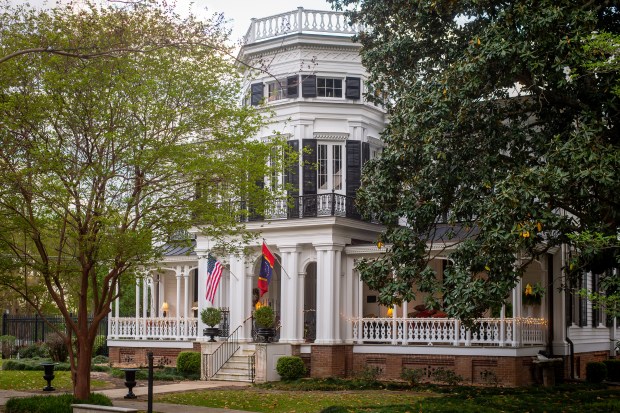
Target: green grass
[[33, 380], [433, 399]]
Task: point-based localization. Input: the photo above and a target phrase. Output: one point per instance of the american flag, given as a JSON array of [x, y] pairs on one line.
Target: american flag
[[214, 273]]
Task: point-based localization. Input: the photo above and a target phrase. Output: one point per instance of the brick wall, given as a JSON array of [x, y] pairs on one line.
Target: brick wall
[[138, 356], [582, 359], [330, 361]]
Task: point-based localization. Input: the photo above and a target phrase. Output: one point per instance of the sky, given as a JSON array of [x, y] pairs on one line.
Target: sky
[[238, 12]]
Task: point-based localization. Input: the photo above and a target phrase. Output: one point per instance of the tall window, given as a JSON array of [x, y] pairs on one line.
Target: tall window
[[329, 87], [277, 90], [322, 166], [337, 166]]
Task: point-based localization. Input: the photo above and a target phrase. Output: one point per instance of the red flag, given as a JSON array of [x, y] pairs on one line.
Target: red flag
[[266, 270]]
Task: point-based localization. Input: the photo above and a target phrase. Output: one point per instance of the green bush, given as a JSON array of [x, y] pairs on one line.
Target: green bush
[[32, 364], [291, 368], [100, 346], [51, 404], [211, 316], [264, 317], [101, 360], [446, 376], [613, 369], [56, 347], [7, 346], [369, 375], [188, 362], [412, 376], [596, 372], [36, 350]]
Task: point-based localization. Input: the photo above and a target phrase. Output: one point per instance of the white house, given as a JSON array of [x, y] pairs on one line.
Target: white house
[[327, 315]]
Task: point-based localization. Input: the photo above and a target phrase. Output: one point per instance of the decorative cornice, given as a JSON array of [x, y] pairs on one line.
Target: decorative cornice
[[331, 136]]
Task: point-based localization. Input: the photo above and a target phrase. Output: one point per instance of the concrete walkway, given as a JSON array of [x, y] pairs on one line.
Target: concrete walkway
[[117, 396]]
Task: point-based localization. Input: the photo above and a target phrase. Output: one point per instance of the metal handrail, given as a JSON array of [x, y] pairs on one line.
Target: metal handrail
[[230, 345]]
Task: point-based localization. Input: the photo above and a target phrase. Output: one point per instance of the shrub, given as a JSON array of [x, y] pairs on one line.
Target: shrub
[[489, 378], [370, 374], [596, 372], [36, 350], [101, 360], [291, 368], [613, 369], [32, 364], [56, 347], [188, 362], [52, 404], [211, 316], [446, 376], [7, 346], [412, 376], [264, 317], [100, 346]]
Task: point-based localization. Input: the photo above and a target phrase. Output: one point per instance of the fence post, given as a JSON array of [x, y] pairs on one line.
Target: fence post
[[5, 317], [36, 328]]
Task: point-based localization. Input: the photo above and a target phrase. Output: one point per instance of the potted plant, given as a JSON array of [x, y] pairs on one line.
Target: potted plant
[[265, 320], [211, 316]]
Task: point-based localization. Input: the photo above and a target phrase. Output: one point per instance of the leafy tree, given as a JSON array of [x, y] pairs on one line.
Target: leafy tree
[[119, 128], [502, 141]]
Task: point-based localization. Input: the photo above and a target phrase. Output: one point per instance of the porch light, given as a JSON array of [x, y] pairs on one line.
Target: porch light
[[390, 312], [164, 308], [257, 305]]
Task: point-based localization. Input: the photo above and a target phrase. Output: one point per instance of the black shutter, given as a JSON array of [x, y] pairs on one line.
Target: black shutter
[[308, 86], [354, 86], [257, 94], [354, 167], [309, 202], [292, 173], [292, 87], [365, 152]]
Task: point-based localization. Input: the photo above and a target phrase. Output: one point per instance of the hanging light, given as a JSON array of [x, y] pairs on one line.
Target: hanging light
[[164, 308], [390, 312]]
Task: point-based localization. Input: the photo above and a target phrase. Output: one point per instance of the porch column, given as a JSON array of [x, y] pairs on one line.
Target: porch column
[[328, 302], [162, 295], [179, 274], [502, 326], [301, 291], [117, 302], [288, 294], [613, 333], [202, 287], [516, 313], [186, 302], [240, 305], [404, 321], [145, 296], [155, 305], [137, 313], [349, 300], [360, 308]]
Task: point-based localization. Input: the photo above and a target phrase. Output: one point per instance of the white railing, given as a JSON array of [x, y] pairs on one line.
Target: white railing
[[447, 331], [300, 21], [152, 328]]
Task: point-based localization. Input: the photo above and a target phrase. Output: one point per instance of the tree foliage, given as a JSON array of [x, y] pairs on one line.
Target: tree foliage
[[502, 143], [119, 128]]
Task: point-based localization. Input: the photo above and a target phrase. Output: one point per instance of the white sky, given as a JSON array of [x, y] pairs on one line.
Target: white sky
[[238, 12]]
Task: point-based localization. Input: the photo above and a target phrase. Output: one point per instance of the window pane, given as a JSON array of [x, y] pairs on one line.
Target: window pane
[[322, 166], [337, 166]]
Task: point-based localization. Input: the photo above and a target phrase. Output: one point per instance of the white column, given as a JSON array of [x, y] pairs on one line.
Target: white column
[[404, 321], [179, 274], [186, 302], [348, 299], [240, 305], [360, 308], [327, 285], [202, 287], [301, 286], [289, 282], [516, 313], [145, 296], [137, 332], [117, 303], [502, 326], [588, 288], [155, 297]]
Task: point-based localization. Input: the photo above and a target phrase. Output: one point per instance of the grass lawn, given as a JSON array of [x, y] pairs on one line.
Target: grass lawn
[[33, 380], [565, 399]]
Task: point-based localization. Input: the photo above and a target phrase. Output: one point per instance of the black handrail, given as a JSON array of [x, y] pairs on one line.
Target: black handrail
[[224, 352]]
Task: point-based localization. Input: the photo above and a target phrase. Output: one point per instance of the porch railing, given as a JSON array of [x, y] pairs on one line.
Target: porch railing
[[446, 331], [300, 21], [152, 328]]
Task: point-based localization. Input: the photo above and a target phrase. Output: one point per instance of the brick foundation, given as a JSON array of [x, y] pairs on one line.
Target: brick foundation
[[330, 361], [138, 356], [580, 360]]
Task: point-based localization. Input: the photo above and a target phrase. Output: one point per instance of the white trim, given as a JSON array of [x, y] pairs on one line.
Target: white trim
[[307, 349], [331, 136], [448, 350], [151, 343]]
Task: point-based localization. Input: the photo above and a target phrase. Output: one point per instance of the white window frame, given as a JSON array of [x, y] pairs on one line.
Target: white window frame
[[332, 87]]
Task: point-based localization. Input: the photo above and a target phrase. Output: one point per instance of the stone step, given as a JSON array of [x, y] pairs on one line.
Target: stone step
[[227, 377]]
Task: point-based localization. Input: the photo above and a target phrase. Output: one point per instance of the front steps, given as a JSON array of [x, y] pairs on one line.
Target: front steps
[[237, 368]]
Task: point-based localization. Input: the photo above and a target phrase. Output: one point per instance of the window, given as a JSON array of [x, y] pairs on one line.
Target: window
[[322, 166], [330, 167], [337, 166], [329, 87], [277, 90]]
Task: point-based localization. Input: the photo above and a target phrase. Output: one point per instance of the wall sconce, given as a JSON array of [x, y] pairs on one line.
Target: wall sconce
[[258, 305], [390, 311], [164, 308]]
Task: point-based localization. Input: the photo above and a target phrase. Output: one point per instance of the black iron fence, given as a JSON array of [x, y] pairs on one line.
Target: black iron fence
[[29, 330]]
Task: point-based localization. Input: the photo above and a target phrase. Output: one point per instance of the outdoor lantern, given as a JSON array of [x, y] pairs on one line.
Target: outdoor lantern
[[164, 308], [390, 312]]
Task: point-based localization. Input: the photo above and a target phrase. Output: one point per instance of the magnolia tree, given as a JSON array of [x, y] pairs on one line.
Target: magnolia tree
[[503, 142], [119, 127]]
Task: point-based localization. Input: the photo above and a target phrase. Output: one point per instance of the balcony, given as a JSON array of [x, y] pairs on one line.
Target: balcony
[[300, 21]]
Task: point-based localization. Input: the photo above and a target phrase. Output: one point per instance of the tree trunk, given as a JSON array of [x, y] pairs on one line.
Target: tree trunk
[[81, 375]]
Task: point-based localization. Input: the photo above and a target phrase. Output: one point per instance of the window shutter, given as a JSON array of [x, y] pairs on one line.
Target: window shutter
[[292, 87], [308, 86], [354, 167], [365, 152], [354, 87], [292, 174], [257, 94], [309, 167]]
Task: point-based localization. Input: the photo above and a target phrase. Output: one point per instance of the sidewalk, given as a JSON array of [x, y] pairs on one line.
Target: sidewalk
[[117, 396]]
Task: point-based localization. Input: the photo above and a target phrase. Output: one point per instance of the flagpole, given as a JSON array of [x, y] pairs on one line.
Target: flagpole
[[279, 262]]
